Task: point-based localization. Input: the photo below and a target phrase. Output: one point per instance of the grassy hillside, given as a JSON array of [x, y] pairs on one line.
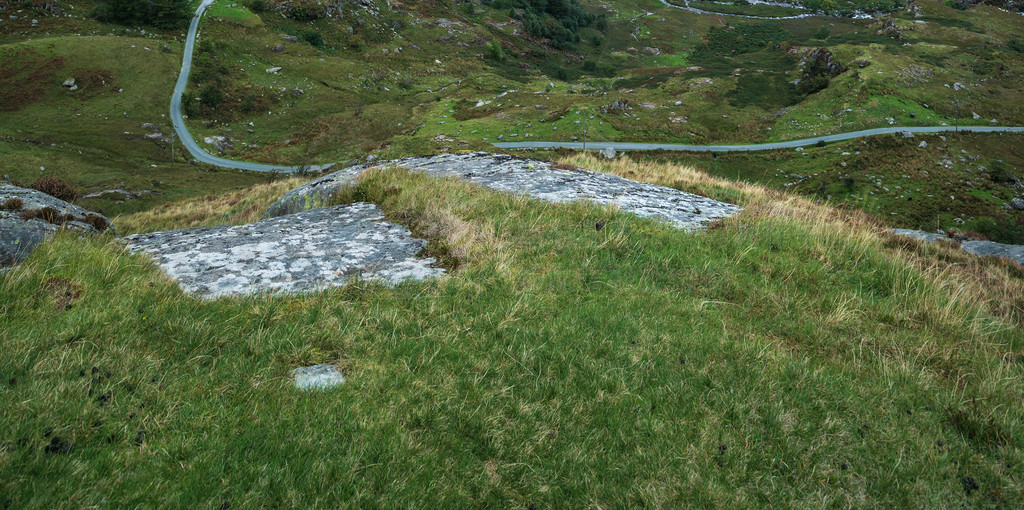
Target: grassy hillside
[[794, 355], [428, 77]]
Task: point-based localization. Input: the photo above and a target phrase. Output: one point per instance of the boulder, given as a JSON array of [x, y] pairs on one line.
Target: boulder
[[1017, 203], [28, 217], [299, 252], [534, 178]]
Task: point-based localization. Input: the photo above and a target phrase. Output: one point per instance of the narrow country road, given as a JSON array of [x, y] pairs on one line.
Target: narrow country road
[[179, 123], [201, 155], [804, 142]]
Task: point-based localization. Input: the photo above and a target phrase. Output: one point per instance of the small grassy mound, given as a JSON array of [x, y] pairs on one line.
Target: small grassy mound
[[794, 355]]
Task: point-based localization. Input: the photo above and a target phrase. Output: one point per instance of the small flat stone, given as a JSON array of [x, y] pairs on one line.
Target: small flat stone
[[317, 377]]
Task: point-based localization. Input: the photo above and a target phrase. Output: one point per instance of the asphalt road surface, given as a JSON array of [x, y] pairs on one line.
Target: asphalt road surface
[[179, 123], [792, 144]]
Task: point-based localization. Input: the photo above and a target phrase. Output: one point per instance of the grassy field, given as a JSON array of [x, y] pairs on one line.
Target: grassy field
[[795, 355]]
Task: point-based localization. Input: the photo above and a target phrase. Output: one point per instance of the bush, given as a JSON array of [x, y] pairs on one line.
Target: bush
[[823, 33], [211, 96], [494, 51], [56, 188], [98, 222], [166, 14], [13, 204], [258, 6], [313, 37]]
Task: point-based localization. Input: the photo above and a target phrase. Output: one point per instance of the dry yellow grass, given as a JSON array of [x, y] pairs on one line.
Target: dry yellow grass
[[997, 283], [236, 208]]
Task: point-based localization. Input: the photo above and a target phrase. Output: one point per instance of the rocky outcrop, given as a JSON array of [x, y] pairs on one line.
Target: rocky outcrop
[[1014, 252], [298, 252], [535, 178], [28, 217]]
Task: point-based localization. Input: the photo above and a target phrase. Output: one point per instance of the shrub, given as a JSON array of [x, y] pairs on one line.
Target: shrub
[[313, 37], [13, 204], [47, 214], [258, 6], [494, 51], [56, 188], [823, 33], [98, 222]]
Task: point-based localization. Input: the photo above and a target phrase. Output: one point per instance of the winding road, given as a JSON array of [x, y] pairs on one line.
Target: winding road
[[804, 142], [201, 155], [179, 123]]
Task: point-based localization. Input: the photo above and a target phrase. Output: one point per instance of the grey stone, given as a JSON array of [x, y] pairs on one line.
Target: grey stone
[[1017, 203], [317, 377], [1014, 252], [291, 38], [299, 252], [19, 236], [923, 144], [534, 178], [608, 153]]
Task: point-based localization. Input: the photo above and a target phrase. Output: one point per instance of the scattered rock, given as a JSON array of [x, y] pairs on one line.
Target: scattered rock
[[317, 377], [1012, 252], [1017, 203], [652, 51], [608, 153], [297, 252], [273, 70], [923, 144], [279, 48], [28, 217], [291, 38]]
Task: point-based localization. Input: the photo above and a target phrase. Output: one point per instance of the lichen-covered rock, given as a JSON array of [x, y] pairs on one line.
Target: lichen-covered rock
[[1014, 252], [298, 252], [535, 178], [28, 216]]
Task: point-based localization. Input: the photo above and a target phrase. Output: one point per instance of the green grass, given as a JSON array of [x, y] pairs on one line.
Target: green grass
[[789, 357]]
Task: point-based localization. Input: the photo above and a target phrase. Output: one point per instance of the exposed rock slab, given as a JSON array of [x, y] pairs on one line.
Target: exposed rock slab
[[37, 216], [535, 178], [317, 377], [1014, 252], [299, 252]]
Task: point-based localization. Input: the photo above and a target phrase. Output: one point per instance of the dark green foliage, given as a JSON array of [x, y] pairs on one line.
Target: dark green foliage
[[166, 14], [313, 37], [1016, 45], [823, 33], [494, 51], [258, 6], [764, 90], [957, 4], [305, 12], [1002, 173], [813, 84], [56, 188], [742, 38], [557, 20], [211, 95]]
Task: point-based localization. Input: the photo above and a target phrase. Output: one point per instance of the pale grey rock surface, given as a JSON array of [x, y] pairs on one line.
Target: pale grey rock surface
[[1014, 252], [18, 236], [317, 377], [535, 178], [299, 252]]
